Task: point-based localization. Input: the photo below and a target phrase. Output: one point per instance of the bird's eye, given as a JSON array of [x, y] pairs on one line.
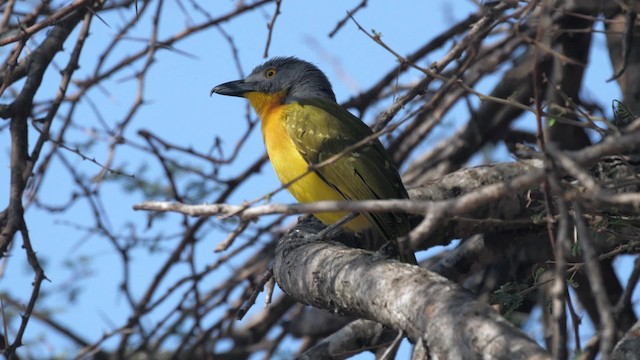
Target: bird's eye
[[270, 73]]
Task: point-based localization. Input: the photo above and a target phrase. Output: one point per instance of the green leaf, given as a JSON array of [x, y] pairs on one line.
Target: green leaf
[[537, 271], [509, 295], [575, 249]]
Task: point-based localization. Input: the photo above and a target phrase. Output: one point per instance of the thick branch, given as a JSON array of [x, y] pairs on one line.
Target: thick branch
[[358, 336], [629, 345], [426, 306]]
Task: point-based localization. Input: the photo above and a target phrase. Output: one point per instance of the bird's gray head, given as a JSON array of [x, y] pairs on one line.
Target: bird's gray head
[[298, 79]]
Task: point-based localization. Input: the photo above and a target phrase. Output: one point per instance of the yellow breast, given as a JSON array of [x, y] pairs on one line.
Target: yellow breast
[[290, 165]]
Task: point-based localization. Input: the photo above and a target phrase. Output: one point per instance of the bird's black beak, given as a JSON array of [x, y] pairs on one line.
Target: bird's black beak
[[233, 88]]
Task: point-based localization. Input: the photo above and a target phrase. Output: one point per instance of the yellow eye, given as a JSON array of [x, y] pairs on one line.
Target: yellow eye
[[270, 73]]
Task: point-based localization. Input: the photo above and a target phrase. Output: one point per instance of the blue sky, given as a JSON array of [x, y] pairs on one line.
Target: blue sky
[[179, 108]]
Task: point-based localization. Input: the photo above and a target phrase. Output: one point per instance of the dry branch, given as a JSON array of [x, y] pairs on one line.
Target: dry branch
[[424, 305]]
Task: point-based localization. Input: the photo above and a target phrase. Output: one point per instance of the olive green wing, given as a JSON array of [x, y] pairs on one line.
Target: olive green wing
[[321, 129]]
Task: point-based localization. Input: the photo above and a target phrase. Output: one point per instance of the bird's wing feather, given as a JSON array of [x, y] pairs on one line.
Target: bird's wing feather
[[321, 129]]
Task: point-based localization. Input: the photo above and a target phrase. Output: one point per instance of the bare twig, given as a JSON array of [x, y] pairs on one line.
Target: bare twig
[[607, 330], [51, 20], [270, 27], [361, 5]]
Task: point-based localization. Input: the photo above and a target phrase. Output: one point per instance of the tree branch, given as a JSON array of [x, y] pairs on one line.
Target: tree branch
[[424, 305]]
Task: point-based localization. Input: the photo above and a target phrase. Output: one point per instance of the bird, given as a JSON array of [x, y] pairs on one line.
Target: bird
[[302, 125]]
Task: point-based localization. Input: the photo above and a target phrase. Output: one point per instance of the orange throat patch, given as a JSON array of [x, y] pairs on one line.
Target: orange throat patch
[[265, 103]]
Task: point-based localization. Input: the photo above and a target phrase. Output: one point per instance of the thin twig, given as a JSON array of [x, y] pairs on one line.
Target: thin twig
[[270, 26], [596, 280]]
